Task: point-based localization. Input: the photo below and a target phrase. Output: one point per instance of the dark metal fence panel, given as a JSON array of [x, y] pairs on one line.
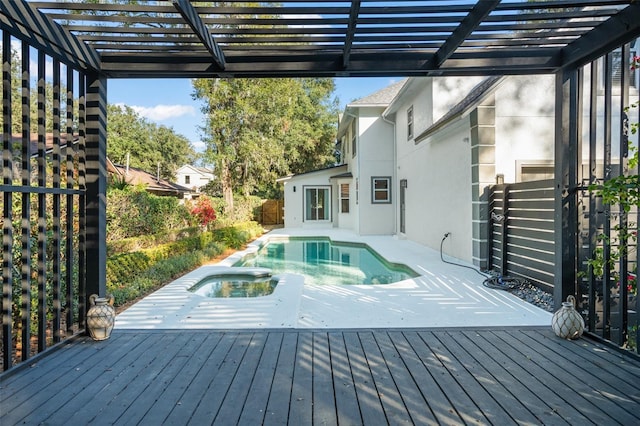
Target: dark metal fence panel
[[43, 201], [521, 224], [608, 250]]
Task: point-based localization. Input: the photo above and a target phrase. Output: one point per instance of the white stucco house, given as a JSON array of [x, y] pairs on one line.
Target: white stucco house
[[417, 156], [194, 177]]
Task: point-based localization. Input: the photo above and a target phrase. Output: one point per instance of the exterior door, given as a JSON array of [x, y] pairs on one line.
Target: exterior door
[[317, 204], [403, 188]]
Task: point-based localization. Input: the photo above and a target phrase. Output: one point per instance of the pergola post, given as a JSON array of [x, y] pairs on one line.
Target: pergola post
[[567, 161], [96, 184]]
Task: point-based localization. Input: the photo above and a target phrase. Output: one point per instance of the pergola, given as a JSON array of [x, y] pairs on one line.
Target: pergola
[[193, 39]]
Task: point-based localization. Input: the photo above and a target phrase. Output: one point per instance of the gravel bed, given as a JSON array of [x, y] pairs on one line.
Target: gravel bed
[[522, 289], [535, 296]]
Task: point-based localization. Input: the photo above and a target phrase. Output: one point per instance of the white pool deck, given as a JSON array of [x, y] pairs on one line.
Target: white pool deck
[[443, 296]]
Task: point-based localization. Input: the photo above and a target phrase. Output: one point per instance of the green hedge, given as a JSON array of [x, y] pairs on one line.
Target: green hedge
[[134, 274], [134, 212], [148, 241]]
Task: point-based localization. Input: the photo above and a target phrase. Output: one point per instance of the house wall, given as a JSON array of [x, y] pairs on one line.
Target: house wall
[[375, 158], [294, 199], [438, 194], [525, 122], [448, 92]]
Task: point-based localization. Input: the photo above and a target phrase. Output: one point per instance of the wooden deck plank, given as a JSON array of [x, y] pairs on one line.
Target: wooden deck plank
[[221, 381], [67, 380], [529, 389], [193, 395], [478, 382], [39, 375], [627, 375], [306, 377], [562, 380], [507, 391], [347, 408], [324, 399], [172, 394], [301, 405], [236, 395], [392, 402], [115, 399], [366, 392], [405, 381], [280, 397], [255, 405], [436, 399], [435, 357]]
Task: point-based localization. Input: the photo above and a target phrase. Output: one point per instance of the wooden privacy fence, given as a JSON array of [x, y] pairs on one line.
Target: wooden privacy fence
[[521, 239], [272, 212]]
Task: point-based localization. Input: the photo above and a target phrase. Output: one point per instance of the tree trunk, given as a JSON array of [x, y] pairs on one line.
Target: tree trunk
[[227, 187]]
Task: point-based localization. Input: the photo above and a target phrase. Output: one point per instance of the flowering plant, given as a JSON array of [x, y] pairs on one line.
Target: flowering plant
[[203, 211]]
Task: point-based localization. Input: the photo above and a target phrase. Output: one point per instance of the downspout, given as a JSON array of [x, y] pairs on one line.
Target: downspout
[[357, 175], [394, 175]]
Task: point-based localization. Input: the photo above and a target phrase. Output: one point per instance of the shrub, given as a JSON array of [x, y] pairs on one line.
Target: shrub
[[135, 212], [132, 275]]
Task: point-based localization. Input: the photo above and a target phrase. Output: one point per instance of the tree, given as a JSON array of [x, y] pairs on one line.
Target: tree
[[259, 129], [146, 143]]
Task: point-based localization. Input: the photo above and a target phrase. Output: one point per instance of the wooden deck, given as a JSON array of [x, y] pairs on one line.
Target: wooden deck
[[346, 377]]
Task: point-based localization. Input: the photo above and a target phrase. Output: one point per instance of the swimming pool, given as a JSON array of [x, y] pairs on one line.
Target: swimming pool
[[323, 261]]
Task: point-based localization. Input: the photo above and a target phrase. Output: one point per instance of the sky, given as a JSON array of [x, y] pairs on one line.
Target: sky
[[168, 102]]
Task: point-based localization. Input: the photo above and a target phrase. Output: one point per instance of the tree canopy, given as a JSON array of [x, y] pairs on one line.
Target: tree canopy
[[147, 143], [257, 130]]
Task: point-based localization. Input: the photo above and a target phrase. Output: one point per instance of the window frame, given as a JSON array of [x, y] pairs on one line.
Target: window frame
[[327, 207], [410, 123], [374, 190], [343, 198]]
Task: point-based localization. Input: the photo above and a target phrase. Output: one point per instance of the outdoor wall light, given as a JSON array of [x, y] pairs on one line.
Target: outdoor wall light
[[294, 188]]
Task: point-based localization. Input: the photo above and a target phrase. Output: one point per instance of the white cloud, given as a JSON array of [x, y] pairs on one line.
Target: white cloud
[[164, 112], [199, 146]]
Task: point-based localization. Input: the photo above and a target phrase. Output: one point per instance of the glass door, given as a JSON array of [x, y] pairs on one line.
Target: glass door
[[317, 203]]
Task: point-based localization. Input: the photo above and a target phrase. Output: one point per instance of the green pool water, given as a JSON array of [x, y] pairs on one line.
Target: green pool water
[[322, 261]]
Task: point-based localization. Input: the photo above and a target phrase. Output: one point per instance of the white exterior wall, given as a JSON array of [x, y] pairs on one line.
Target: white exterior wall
[[449, 91], [438, 194], [294, 199], [374, 158], [437, 170], [525, 122]]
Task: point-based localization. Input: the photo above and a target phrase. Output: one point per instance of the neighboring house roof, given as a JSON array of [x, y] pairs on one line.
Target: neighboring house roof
[[475, 96], [285, 178], [33, 139], [135, 176], [195, 169]]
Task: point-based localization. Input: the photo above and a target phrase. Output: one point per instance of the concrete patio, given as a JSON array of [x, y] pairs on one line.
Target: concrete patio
[[443, 295]]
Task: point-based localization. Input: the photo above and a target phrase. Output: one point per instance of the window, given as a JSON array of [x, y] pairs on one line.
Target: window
[[344, 198], [353, 138], [381, 190], [410, 122], [317, 207], [187, 180]]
